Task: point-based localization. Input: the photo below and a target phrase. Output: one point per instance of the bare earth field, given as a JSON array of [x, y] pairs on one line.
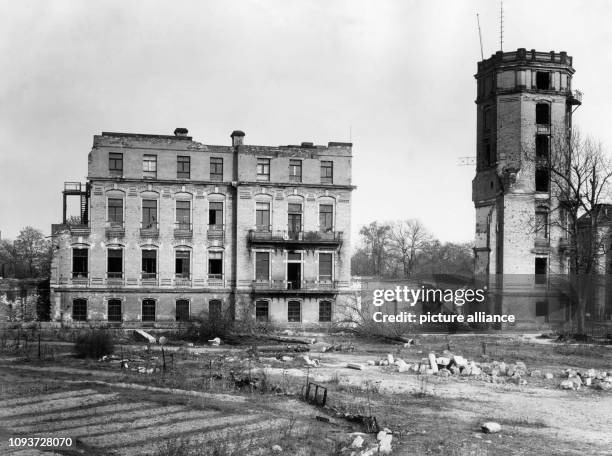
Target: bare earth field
[[232, 401]]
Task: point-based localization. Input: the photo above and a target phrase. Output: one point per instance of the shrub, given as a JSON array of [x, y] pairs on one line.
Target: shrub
[[94, 344]]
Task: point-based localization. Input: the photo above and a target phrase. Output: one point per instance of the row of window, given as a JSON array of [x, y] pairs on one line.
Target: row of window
[[182, 268], [182, 312], [215, 215], [183, 168]]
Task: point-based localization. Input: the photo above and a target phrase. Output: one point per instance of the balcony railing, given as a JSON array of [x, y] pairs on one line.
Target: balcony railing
[[149, 229], [80, 278], [182, 280], [182, 230], [216, 280], [302, 237], [115, 229], [114, 278], [149, 279], [294, 286], [215, 232], [79, 230]]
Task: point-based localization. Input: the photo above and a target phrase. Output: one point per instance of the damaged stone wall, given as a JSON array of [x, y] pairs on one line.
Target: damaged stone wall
[[23, 300]]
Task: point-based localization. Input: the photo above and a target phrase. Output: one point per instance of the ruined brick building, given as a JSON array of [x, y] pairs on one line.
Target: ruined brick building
[[171, 228], [524, 106]]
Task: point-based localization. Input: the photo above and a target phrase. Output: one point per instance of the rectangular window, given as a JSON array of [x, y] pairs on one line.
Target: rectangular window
[[326, 218], [262, 311], [541, 227], [215, 307], [294, 221], [149, 166], [327, 172], [216, 169], [183, 167], [542, 180], [79, 263], [149, 214], [541, 269], [149, 264], [115, 163], [294, 311], [183, 215], [543, 114], [115, 264], [114, 312], [295, 170], [182, 310], [148, 310], [325, 267], [215, 215], [263, 169], [182, 264], [542, 148], [262, 216], [542, 80], [79, 310], [115, 211], [262, 266], [325, 311], [215, 265], [486, 119]]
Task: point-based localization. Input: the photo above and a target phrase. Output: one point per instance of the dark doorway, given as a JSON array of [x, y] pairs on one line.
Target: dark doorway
[[294, 276]]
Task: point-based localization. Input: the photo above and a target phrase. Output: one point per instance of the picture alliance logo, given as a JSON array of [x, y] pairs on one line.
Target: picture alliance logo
[[412, 296]]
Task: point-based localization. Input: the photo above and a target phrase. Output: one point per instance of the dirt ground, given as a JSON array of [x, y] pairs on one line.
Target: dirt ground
[[194, 409]]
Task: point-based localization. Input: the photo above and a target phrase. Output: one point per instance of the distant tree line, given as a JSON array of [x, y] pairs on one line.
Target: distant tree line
[[28, 256], [405, 248]]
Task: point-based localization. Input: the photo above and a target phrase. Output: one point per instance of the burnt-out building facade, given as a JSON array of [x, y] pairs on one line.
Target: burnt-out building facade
[[171, 229]]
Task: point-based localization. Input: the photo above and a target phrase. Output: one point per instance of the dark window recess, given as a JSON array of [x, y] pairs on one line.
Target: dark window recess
[[541, 269], [182, 310], [294, 219], [542, 147], [262, 311], [182, 263], [294, 311], [149, 264], [215, 265], [542, 180], [148, 310], [216, 169], [486, 119], [115, 163], [149, 214], [541, 309], [114, 312], [183, 167], [326, 217], [325, 311], [325, 267], [215, 215], [327, 172], [115, 264], [543, 114], [183, 215], [214, 309], [542, 223], [295, 170], [263, 169], [79, 263], [115, 211], [79, 310], [542, 80], [262, 216], [262, 266]]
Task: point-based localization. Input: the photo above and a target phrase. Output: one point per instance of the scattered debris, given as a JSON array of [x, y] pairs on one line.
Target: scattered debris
[[384, 441], [277, 449], [311, 362], [314, 393], [215, 342], [358, 442], [355, 366], [490, 427]]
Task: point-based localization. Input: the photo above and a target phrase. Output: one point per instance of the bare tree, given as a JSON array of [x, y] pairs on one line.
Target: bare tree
[[408, 239], [376, 237], [33, 250]]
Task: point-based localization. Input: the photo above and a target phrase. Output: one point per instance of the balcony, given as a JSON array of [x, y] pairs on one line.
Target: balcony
[[292, 287], [216, 280], [216, 233], [115, 230], [149, 279], [575, 98], [149, 230], [80, 279], [182, 230], [182, 280], [295, 238], [79, 230], [114, 279]]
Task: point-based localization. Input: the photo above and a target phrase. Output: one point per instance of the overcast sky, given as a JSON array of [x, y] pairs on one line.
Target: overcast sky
[[398, 74]]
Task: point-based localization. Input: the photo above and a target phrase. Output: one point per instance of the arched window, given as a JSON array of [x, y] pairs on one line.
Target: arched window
[[182, 310], [79, 309], [114, 310], [325, 311], [262, 311], [148, 310]]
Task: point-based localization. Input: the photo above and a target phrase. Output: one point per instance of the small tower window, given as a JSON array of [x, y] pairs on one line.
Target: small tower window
[[542, 148], [543, 80]]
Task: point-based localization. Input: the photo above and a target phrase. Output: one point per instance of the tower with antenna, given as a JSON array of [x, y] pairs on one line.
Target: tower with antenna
[[524, 107]]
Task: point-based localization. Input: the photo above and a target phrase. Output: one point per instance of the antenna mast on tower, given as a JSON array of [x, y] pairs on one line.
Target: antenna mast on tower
[[479, 36], [501, 25]]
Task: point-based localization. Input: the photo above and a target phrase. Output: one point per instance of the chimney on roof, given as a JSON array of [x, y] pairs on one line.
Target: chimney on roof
[[180, 131], [237, 138], [307, 144]]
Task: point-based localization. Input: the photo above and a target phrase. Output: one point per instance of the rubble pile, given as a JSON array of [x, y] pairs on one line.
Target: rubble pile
[[574, 380]]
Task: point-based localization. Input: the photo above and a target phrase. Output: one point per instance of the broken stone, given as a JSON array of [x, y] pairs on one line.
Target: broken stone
[[520, 365], [277, 449], [588, 381], [460, 361], [384, 441], [503, 368], [475, 370], [454, 370], [358, 442], [371, 363], [490, 427], [143, 335], [467, 370], [287, 358], [548, 376], [442, 361], [162, 340], [446, 372], [567, 385], [390, 359], [311, 362], [402, 366], [432, 362], [215, 342], [535, 373], [355, 366]]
